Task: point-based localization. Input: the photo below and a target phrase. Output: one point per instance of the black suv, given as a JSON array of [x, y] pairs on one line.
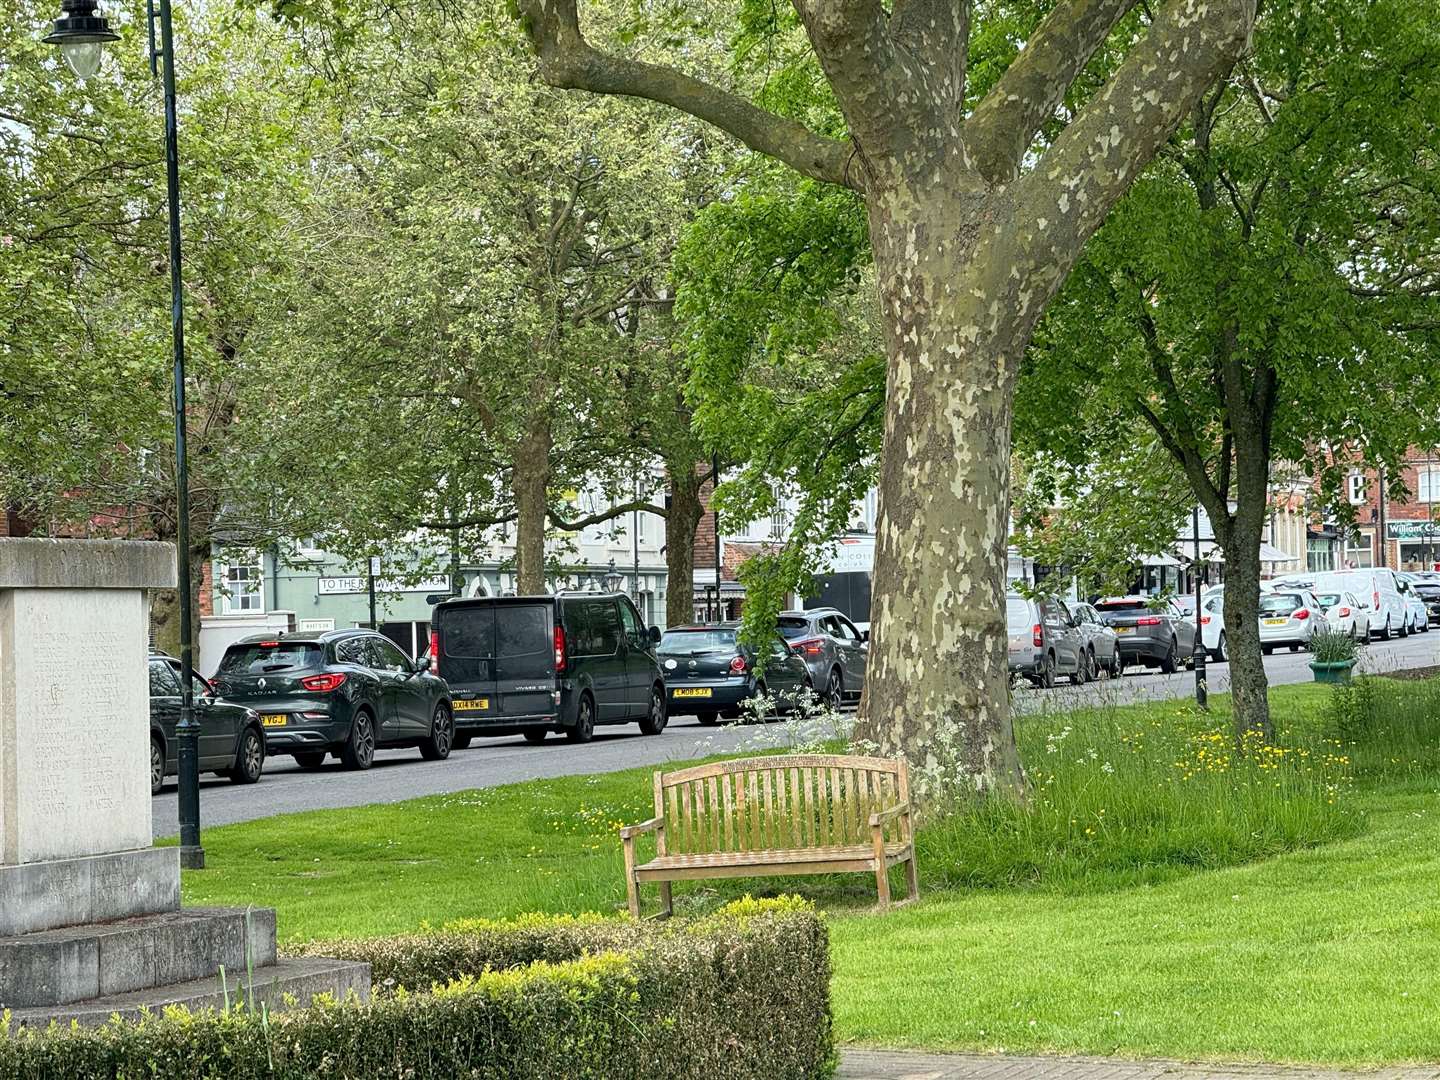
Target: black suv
[[341, 692], [231, 742], [535, 664]]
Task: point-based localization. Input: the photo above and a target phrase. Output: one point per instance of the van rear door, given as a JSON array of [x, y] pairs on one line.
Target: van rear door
[[467, 661], [525, 682]]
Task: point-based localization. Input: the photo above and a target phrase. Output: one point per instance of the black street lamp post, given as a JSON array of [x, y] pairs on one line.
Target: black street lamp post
[[80, 33], [1201, 690]]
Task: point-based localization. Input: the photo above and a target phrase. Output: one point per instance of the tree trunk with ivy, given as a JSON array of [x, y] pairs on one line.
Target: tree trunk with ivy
[[971, 238]]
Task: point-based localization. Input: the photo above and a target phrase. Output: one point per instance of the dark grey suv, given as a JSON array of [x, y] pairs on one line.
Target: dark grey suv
[[833, 648]]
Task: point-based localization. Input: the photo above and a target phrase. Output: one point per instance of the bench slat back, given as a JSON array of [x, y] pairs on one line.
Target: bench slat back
[[777, 803]]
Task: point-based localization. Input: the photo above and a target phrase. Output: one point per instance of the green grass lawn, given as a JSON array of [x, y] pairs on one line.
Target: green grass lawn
[[1152, 902]]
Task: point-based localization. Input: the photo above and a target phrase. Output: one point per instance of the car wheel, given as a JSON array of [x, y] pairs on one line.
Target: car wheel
[[536, 735], [1404, 629], [157, 766], [584, 727], [442, 735], [1171, 660], [1385, 634], [1295, 647], [1267, 649], [249, 758], [655, 719], [1082, 671], [1220, 654], [709, 719], [359, 750], [1047, 672], [835, 689], [1117, 666], [461, 741], [309, 760]]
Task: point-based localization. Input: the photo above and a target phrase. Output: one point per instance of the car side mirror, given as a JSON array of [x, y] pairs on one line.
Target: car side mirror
[[420, 665], [864, 635], [654, 635]]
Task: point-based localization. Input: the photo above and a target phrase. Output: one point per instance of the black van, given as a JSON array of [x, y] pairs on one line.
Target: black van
[[535, 664]]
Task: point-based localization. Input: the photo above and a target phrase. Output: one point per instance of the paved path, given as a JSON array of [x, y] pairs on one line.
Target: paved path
[[401, 774], [901, 1065]]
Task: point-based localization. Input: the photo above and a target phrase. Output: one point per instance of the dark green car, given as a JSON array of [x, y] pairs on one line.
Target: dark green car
[[341, 692], [231, 743]]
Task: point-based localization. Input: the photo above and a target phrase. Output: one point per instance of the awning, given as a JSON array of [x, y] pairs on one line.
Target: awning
[[1159, 560], [1210, 552], [1271, 554]]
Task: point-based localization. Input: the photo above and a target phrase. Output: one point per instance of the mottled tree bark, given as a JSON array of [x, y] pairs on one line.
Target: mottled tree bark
[[530, 482], [681, 520], [969, 246]]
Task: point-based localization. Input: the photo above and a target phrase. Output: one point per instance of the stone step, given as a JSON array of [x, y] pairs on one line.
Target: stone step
[[93, 888], [98, 960], [290, 983]]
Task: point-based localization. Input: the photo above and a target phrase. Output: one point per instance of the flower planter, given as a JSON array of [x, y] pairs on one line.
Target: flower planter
[[1335, 671]]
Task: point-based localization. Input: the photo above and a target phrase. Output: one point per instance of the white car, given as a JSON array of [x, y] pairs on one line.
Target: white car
[[1345, 614], [1378, 589], [1212, 626], [1288, 617], [1418, 612]]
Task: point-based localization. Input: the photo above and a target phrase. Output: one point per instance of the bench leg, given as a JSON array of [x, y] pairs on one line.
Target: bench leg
[[912, 877], [632, 888], [667, 905]]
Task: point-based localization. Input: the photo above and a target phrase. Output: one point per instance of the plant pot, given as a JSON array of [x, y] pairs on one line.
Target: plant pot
[[1334, 671]]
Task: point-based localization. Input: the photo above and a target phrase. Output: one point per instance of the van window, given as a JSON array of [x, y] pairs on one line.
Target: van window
[[467, 643], [524, 645], [593, 626], [1017, 614], [634, 632]]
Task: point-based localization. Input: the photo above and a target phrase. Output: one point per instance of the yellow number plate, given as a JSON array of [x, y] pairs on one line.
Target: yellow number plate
[[1276, 622], [693, 691], [473, 705], [1124, 629], [274, 719]]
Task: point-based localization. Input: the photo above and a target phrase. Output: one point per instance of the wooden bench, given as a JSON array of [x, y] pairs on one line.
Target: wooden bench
[[769, 816]]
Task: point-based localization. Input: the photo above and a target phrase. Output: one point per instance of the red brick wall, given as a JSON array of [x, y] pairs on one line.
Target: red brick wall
[[705, 531], [1367, 513], [206, 599]]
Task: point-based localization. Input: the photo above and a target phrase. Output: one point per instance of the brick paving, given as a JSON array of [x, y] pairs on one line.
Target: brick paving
[[904, 1065]]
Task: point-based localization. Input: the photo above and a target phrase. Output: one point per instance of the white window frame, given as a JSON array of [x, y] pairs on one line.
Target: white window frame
[[236, 599], [1427, 483], [1359, 553], [1357, 488]]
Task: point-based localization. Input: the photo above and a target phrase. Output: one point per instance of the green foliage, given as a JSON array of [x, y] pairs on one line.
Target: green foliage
[[743, 995], [1333, 647]]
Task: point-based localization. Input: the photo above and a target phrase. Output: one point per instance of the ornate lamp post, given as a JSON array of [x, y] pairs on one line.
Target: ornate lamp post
[[81, 33], [614, 579]]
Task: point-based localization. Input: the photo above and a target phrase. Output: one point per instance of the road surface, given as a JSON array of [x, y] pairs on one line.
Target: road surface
[[401, 774]]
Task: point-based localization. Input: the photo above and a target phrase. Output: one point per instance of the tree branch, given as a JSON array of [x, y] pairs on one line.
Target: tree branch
[[602, 516], [568, 61], [1005, 122]]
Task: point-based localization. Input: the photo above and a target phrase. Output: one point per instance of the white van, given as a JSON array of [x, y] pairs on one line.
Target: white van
[[1378, 589]]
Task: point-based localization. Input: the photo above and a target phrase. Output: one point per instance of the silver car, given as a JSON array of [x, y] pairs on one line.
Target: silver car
[[1102, 651], [1044, 641], [1289, 617], [833, 648]]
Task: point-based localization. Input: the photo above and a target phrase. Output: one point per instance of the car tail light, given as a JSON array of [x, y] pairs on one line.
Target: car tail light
[[810, 646], [1204, 620], [1148, 620], [323, 684], [269, 644], [1302, 614], [434, 652], [737, 665], [1344, 612], [1037, 636], [1375, 601], [559, 648]]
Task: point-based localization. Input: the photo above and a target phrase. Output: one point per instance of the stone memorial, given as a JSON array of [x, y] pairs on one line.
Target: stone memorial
[[90, 915]]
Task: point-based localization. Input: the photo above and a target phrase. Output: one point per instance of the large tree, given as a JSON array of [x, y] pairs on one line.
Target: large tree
[[1270, 290], [977, 209]]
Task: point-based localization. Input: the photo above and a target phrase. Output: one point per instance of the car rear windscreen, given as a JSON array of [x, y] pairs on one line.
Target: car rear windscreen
[[1328, 599], [260, 658], [794, 627], [685, 642], [1281, 603], [524, 641], [1123, 605], [467, 643], [1017, 614]]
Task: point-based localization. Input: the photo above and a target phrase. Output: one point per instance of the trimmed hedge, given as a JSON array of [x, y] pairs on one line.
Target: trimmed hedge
[[741, 994]]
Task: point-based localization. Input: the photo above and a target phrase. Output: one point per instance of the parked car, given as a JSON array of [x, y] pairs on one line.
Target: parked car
[[1212, 626], [1289, 617], [834, 649], [1426, 585], [1156, 633], [1344, 614], [1044, 641], [1101, 643], [532, 665], [231, 741], [1418, 610], [1377, 588], [709, 673], [342, 692]]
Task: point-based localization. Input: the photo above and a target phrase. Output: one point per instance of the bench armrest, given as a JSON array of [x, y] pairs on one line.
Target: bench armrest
[[655, 825], [881, 817]]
